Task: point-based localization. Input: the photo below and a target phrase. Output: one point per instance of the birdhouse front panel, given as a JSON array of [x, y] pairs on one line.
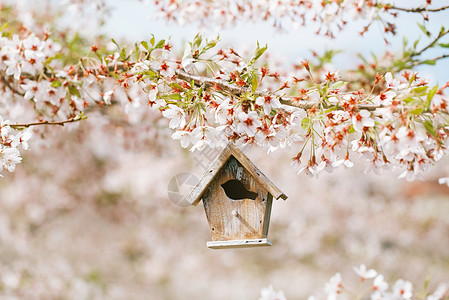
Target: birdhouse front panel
[[237, 206]]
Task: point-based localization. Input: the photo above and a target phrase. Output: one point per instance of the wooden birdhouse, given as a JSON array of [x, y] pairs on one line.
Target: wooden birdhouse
[[237, 198]]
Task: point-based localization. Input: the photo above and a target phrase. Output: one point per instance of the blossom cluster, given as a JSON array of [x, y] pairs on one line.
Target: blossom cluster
[[324, 17], [371, 286], [327, 16], [21, 58], [49, 85], [213, 96], [9, 145]]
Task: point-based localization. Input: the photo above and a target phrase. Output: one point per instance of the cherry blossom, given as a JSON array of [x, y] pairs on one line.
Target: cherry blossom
[[361, 120], [249, 123], [270, 294], [403, 289], [334, 287], [176, 116], [364, 273]]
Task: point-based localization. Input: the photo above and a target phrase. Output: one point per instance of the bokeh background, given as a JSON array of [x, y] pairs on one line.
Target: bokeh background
[[87, 214]]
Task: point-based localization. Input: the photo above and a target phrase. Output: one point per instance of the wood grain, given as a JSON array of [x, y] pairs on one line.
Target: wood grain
[[236, 219], [239, 244]]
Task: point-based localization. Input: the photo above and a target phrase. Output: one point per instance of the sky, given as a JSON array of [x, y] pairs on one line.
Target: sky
[[131, 19]]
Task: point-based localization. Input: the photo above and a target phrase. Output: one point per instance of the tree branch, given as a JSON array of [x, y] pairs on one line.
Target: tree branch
[[8, 85], [418, 9], [431, 44], [60, 123], [236, 90], [417, 63]]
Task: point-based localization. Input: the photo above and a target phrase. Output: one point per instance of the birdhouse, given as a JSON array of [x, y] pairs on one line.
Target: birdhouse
[[237, 199]]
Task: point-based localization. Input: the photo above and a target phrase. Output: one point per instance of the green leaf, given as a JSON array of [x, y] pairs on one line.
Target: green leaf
[[144, 44], [254, 83], [74, 91], [197, 41], [424, 29], [150, 72], [123, 54], [173, 96], [112, 40], [429, 127], [429, 62], [338, 85], [416, 111], [305, 123], [351, 130], [421, 90], [410, 101], [4, 26], [258, 53], [175, 85], [430, 96], [444, 45], [211, 44], [160, 44], [152, 40], [415, 44], [56, 83]]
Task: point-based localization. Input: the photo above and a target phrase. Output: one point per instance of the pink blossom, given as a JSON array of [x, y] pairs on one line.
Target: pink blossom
[[176, 116], [249, 122], [361, 120], [364, 273], [334, 287], [270, 294], [268, 103], [403, 289]]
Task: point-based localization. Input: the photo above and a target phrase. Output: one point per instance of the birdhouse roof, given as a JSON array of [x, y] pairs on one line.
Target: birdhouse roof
[[231, 150]]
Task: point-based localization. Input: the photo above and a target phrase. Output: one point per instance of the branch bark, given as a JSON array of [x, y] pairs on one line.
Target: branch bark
[[418, 9], [236, 90], [60, 123]]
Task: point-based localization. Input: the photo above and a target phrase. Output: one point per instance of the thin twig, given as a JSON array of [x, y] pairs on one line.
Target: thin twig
[[431, 44], [417, 63], [60, 123], [418, 9], [8, 85]]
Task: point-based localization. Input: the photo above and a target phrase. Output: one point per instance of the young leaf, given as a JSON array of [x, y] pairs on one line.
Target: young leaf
[[74, 91], [430, 96], [123, 54], [56, 83], [429, 127], [144, 44], [424, 29], [305, 123], [338, 84], [211, 44], [254, 83], [160, 44], [258, 53], [429, 62], [115, 43]]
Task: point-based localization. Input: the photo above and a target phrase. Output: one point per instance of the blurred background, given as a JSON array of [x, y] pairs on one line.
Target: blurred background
[[87, 214]]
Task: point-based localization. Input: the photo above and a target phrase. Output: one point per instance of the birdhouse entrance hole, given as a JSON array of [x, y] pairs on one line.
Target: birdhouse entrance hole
[[235, 190]]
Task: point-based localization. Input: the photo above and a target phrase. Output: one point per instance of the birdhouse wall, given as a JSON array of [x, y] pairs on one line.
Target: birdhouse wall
[[237, 219]]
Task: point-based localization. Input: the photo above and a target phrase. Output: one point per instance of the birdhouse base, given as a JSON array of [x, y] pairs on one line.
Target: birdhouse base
[[238, 244]]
